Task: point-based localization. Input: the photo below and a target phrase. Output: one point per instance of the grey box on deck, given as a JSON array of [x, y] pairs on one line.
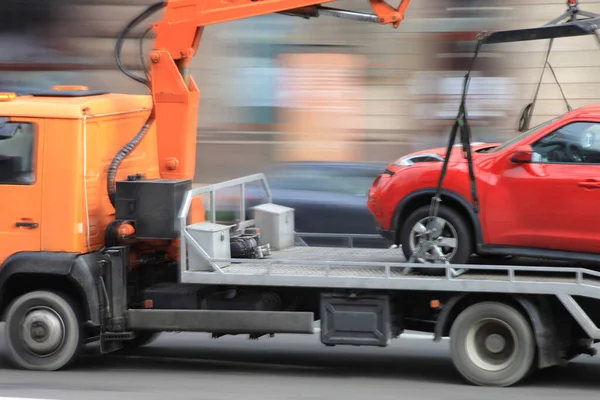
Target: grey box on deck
[[276, 225]]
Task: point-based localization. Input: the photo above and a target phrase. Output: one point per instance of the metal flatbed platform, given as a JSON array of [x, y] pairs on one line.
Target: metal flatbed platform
[[344, 262], [378, 269], [321, 267]]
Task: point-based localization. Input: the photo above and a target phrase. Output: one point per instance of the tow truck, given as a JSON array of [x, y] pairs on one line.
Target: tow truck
[[104, 240]]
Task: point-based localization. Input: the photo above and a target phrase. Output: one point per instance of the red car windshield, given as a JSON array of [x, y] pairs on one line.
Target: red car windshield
[[517, 138]]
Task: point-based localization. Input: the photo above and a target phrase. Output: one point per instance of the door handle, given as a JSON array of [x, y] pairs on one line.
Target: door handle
[[590, 184], [27, 224]]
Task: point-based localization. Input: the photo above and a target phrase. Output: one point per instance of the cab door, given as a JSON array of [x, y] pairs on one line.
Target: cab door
[[20, 185]]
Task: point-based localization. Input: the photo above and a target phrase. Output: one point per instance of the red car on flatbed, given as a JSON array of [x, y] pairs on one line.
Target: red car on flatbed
[[539, 194]]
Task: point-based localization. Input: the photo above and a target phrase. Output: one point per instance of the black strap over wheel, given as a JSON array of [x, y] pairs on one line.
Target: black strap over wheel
[[461, 124]]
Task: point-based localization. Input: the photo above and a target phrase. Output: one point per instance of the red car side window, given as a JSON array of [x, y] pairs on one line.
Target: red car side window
[[576, 142]]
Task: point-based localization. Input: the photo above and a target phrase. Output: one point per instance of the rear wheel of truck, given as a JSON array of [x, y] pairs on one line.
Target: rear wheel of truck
[[492, 344], [42, 331]]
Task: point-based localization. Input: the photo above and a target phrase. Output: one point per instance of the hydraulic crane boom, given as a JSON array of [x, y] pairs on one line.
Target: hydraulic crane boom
[[174, 92]]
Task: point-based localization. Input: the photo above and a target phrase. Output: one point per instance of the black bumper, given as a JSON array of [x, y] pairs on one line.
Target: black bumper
[[386, 234]]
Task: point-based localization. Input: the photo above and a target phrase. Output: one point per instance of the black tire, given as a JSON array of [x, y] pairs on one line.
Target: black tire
[[465, 237], [468, 350], [52, 312], [141, 338]]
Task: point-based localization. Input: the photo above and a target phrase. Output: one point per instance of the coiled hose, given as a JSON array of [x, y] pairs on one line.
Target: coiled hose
[[132, 144], [124, 152]]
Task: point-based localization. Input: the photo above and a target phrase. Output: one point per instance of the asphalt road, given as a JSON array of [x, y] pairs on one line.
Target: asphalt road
[[193, 366]]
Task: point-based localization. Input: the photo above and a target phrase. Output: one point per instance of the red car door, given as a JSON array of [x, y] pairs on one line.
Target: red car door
[[552, 202]]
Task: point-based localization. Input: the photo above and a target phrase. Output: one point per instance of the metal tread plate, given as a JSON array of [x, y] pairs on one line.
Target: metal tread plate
[[317, 259], [383, 269]]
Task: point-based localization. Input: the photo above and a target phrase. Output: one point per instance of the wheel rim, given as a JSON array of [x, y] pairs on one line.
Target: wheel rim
[[443, 233], [42, 331], [491, 344]]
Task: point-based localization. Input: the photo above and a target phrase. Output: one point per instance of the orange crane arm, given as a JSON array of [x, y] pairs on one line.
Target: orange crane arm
[[179, 31], [177, 35]]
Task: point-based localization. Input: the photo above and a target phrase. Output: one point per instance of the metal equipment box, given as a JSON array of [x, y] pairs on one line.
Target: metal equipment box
[[355, 321], [175, 296], [214, 240], [151, 205], [276, 225]]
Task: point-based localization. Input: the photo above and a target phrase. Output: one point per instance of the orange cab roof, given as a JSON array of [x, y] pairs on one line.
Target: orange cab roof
[[71, 103]]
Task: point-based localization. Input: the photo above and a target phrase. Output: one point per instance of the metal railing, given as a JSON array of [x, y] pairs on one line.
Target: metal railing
[[349, 236], [186, 238]]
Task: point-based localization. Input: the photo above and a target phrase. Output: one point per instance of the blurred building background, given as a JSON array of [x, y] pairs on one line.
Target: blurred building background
[[284, 88]]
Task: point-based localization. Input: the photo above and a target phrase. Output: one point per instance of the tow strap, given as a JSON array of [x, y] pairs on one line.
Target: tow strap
[[461, 124], [525, 120]]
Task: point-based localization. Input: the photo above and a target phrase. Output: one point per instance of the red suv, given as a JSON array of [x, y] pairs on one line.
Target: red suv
[[539, 194]]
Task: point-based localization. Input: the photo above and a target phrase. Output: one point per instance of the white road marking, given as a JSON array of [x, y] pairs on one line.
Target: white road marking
[[420, 336], [227, 363], [417, 336], [21, 398]]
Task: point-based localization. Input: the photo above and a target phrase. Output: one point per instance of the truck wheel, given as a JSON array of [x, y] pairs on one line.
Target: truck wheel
[[42, 331], [492, 344], [455, 239], [141, 338]]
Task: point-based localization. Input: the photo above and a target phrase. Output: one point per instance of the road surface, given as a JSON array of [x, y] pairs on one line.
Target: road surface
[[193, 366]]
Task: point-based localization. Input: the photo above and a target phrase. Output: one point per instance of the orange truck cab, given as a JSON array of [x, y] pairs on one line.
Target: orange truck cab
[[55, 149]]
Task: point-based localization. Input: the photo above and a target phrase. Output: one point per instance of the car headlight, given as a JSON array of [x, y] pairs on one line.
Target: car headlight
[[408, 161]]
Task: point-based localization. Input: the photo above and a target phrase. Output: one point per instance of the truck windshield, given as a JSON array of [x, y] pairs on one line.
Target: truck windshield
[[517, 138]]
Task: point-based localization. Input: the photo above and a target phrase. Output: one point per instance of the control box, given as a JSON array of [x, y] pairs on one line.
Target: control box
[[276, 225], [151, 205], [214, 240]]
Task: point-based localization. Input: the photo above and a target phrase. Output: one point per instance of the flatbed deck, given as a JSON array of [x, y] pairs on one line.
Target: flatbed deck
[[368, 268], [317, 261], [383, 269]]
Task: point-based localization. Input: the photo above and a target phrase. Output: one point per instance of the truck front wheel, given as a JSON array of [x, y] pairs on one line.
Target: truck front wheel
[[492, 344], [42, 331]]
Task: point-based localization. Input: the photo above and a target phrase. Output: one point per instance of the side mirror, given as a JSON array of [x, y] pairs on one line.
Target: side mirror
[[522, 155], [7, 129]]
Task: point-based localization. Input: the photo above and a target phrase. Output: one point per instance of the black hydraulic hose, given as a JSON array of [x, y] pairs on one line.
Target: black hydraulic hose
[[121, 155], [121, 39], [132, 144], [141, 47]]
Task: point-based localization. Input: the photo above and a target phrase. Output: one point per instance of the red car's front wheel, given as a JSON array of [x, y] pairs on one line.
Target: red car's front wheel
[[453, 237]]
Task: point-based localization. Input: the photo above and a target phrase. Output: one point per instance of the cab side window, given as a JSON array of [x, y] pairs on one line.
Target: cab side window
[[16, 153]]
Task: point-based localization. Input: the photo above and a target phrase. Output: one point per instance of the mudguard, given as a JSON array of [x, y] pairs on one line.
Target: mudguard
[[474, 219], [541, 322], [80, 270]]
